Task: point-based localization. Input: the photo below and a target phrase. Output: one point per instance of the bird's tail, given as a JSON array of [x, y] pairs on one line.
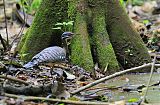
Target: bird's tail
[[29, 65]]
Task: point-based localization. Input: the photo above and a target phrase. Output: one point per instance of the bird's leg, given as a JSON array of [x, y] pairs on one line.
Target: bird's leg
[[51, 69]]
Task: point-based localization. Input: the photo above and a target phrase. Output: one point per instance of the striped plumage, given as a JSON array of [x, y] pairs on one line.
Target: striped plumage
[[50, 54]]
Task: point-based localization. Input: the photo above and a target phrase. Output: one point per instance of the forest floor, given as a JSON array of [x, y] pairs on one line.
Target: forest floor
[[45, 85]]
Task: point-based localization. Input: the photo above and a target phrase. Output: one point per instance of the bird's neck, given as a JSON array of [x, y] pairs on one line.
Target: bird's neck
[[65, 46]]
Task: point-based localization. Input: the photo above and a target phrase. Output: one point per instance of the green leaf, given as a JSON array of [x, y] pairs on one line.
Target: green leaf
[[57, 28], [64, 23], [69, 23], [35, 4], [61, 104], [133, 100], [145, 21], [59, 24], [65, 26], [121, 2], [137, 2], [23, 55]]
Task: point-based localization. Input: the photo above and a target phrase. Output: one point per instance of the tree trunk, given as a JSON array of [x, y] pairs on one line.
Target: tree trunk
[[104, 52], [41, 35], [105, 17], [80, 47], [128, 45]]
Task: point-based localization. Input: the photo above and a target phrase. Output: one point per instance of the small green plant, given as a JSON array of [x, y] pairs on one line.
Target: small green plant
[[35, 5], [137, 2], [30, 6], [134, 2], [146, 21], [22, 55], [24, 3], [133, 100], [64, 26], [123, 2], [154, 39], [103, 98], [61, 104]]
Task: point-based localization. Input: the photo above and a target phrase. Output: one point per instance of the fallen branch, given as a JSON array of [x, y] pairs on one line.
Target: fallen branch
[[152, 68], [3, 43], [111, 76], [28, 90], [14, 79], [57, 100]]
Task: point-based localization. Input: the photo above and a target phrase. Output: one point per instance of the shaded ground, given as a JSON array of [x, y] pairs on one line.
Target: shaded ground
[[13, 24], [135, 81]]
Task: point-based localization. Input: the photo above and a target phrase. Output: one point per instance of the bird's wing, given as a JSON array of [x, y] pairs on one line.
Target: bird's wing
[[50, 54]]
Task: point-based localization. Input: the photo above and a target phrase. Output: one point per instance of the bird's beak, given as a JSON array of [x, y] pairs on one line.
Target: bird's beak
[[72, 34]]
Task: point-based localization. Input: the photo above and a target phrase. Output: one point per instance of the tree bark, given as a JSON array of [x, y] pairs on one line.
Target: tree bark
[[106, 17], [80, 47], [128, 45], [41, 35], [104, 52]]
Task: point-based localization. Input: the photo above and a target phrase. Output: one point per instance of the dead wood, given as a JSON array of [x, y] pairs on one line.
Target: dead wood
[[3, 43], [13, 79], [112, 76], [59, 100], [149, 80], [28, 90]]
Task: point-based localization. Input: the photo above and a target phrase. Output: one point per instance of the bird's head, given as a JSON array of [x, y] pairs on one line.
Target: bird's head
[[67, 36]]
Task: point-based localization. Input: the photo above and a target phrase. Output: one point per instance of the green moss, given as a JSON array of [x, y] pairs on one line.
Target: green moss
[[128, 45], [22, 41], [105, 52], [41, 34], [80, 47], [71, 10]]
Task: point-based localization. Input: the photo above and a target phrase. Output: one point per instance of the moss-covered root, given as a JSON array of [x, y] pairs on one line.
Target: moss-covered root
[[105, 52], [80, 47], [22, 41], [127, 44], [41, 35]]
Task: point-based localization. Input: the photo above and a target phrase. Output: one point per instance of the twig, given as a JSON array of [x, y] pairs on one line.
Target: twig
[[13, 79], [152, 68], [22, 28], [111, 76], [6, 22], [57, 100], [3, 44], [33, 90]]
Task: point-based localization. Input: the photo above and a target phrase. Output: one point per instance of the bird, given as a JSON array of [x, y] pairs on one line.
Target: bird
[[52, 54]]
